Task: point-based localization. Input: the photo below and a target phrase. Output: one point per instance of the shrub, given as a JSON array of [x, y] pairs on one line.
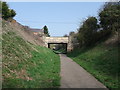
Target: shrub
[[6, 12]]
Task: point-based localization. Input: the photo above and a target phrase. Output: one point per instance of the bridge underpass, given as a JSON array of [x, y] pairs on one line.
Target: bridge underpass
[[58, 40], [58, 47]]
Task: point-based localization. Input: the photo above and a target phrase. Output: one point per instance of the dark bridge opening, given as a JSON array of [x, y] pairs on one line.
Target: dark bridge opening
[[58, 48]]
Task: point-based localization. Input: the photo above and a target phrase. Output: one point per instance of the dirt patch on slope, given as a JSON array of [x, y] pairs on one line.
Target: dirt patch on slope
[[23, 32]]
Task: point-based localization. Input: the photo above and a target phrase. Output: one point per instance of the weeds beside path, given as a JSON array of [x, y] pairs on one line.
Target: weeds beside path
[[101, 61]]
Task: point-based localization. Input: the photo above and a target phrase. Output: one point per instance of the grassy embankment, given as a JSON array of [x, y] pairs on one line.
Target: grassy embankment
[[26, 65], [101, 61]]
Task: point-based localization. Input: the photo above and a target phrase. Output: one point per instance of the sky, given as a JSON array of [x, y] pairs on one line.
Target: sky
[[60, 17]]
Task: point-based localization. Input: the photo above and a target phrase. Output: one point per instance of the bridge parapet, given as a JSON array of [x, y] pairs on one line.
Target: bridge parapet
[[56, 39]]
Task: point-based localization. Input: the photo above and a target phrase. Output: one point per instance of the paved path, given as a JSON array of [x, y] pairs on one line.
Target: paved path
[[74, 76]]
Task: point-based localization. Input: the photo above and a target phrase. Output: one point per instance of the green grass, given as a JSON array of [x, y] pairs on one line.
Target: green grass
[[26, 65], [101, 61]]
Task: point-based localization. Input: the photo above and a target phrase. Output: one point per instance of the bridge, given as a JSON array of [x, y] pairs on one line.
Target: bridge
[[58, 40]]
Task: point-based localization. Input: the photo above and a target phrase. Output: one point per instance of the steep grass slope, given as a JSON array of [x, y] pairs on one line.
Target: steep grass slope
[[23, 32], [25, 65], [101, 61]]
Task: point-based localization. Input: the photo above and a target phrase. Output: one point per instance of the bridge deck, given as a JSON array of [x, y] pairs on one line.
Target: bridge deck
[[56, 39]]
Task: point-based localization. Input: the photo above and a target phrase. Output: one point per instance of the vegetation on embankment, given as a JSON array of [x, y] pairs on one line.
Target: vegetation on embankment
[[101, 61], [25, 65]]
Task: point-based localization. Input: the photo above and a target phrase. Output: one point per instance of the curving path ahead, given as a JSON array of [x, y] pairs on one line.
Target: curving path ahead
[[74, 76]]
